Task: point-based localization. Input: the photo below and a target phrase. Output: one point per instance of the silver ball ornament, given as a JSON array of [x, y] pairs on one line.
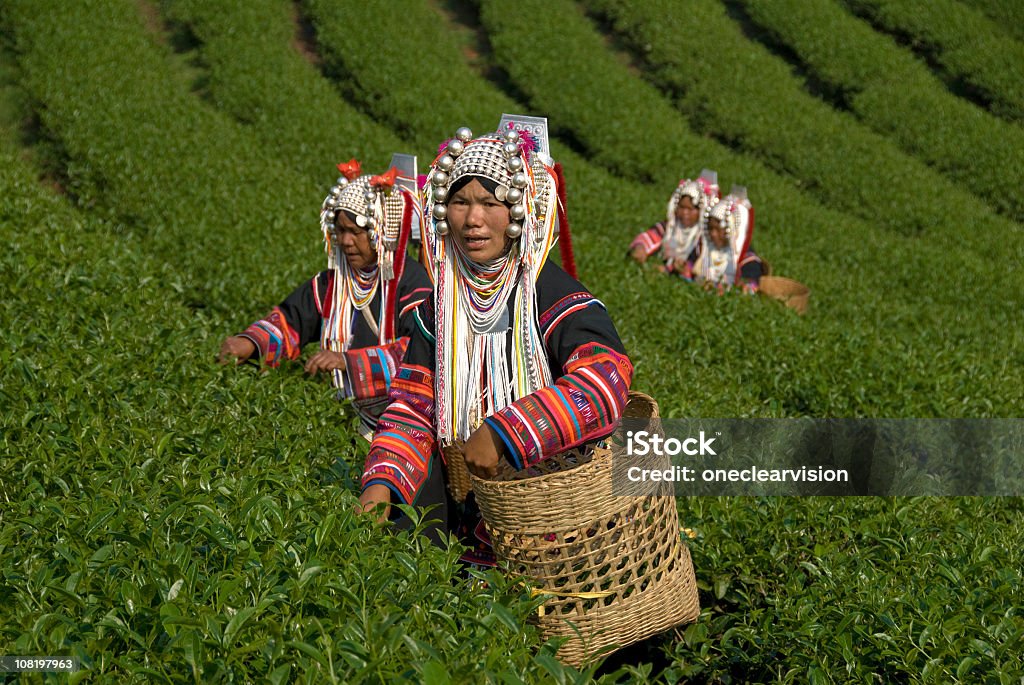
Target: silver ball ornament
[[513, 230], [515, 164], [464, 134], [440, 193], [439, 178], [446, 163], [439, 212], [519, 180], [369, 196], [509, 149], [514, 195], [342, 181], [441, 227], [517, 212], [512, 135], [455, 147]]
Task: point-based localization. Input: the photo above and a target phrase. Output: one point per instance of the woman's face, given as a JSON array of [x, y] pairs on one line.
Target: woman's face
[[478, 220], [354, 242], [716, 231], [686, 212]]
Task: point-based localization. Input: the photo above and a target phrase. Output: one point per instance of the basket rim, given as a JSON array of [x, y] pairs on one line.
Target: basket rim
[[784, 280]]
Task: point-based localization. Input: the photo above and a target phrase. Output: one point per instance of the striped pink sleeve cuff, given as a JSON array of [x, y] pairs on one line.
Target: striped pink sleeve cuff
[[582, 406]]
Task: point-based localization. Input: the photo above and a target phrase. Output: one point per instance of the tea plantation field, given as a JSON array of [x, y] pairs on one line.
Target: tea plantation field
[[162, 164]]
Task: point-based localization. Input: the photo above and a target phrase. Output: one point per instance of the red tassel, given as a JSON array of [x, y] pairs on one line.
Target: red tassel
[[564, 235]]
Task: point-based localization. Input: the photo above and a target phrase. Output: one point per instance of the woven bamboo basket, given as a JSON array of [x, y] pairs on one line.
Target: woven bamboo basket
[[614, 568], [791, 293], [459, 484]]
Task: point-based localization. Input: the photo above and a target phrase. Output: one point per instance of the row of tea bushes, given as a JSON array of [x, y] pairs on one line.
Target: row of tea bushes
[[256, 74], [894, 93], [972, 49], [135, 143]]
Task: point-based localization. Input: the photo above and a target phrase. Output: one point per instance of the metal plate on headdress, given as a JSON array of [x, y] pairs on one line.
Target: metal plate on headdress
[[501, 192], [407, 179], [536, 126], [710, 176]]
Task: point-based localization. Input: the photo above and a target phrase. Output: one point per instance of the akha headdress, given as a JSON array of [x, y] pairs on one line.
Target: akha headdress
[[736, 214], [721, 265], [386, 211], [679, 240]]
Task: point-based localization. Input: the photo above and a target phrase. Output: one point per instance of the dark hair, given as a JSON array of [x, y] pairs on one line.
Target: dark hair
[[489, 185]]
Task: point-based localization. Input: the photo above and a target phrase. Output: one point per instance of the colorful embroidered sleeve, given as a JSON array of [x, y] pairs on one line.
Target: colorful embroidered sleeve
[[370, 371], [402, 446], [587, 401], [292, 324], [649, 240], [274, 338]]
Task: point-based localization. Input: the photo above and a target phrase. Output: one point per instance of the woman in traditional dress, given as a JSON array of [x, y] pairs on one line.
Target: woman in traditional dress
[[724, 257], [511, 355], [677, 236], [361, 307]]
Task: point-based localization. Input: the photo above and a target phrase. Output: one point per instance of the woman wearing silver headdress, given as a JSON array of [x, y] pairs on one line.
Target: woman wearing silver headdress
[[359, 308], [677, 236], [724, 257], [513, 356]]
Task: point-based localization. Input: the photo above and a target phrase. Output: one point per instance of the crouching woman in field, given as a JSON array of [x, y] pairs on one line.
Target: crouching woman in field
[[510, 355], [724, 257], [674, 239], [361, 308]]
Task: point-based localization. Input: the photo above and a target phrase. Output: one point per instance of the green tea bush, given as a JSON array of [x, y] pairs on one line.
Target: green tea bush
[[970, 47], [825, 590], [893, 93]]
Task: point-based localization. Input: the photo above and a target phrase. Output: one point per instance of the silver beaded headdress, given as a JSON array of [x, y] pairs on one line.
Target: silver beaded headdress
[[702, 191], [506, 159], [377, 205], [679, 240], [734, 213]]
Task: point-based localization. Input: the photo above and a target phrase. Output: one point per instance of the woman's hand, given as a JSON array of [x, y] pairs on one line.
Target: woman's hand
[[235, 350], [325, 360], [374, 495], [483, 451]]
